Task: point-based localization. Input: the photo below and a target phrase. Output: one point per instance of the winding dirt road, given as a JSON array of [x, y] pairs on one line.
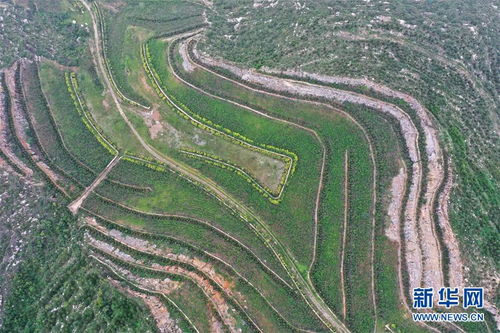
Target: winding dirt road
[[423, 258], [305, 289], [329, 107]]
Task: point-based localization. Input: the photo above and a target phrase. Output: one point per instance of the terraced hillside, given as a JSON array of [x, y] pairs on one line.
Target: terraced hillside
[[445, 56], [230, 200]]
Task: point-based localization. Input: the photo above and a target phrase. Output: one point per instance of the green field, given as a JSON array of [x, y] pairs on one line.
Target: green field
[[47, 132], [429, 50], [327, 265], [78, 139], [238, 206], [297, 204]]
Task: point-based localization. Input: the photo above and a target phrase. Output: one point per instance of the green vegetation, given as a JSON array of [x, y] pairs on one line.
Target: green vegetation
[[226, 193], [287, 157], [255, 305], [383, 132], [326, 270], [217, 161], [258, 289], [48, 136], [444, 56], [101, 107], [383, 138], [174, 195], [77, 138], [9, 132], [161, 17], [56, 277], [298, 202], [102, 26], [190, 137], [46, 130], [81, 108], [38, 156], [189, 297], [357, 253], [52, 29]]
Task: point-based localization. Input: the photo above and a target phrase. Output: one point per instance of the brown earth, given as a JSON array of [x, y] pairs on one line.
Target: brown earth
[[5, 145], [423, 251], [223, 309], [158, 310]]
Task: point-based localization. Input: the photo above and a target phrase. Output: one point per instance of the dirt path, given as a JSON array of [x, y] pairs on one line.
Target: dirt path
[[203, 222], [372, 156], [204, 267], [207, 268], [423, 258], [305, 288], [193, 65], [213, 294], [122, 276], [393, 230], [75, 205]]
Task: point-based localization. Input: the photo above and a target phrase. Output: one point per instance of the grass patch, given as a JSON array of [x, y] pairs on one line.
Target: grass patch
[[339, 134], [172, 194], [102, 108], [297, 204]]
